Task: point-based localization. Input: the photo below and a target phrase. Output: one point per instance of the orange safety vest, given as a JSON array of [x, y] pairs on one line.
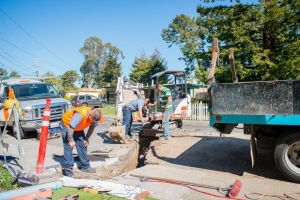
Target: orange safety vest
[[85, 122]]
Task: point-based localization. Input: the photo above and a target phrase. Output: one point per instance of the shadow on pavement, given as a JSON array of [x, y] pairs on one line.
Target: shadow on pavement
[[105, 137], [230, 155]]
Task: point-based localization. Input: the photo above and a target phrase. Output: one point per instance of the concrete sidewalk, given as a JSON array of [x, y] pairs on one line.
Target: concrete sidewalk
[[122, 157], [165, 191]]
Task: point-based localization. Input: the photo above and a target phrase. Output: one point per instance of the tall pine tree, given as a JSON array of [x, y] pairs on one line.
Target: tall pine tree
[[109, 73], [143, 68]]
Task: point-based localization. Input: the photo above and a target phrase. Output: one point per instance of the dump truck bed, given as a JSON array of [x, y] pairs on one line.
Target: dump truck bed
[[256, 98]]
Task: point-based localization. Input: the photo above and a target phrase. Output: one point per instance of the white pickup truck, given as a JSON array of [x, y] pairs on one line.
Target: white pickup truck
[[32, 94]]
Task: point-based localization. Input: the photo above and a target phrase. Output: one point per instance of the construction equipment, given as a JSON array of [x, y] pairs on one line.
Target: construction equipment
[[181, 102], [269, 110]]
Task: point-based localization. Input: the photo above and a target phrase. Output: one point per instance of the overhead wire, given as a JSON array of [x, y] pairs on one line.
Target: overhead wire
[[36, 39], [13, 59], [13, 69], [30, 53], [13, 63]]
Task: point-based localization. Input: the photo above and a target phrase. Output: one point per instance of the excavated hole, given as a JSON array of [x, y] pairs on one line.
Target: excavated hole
[[144, 142], [125, 163]]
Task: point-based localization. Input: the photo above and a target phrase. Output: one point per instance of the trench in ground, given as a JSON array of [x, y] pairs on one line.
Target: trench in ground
[[123, 164]]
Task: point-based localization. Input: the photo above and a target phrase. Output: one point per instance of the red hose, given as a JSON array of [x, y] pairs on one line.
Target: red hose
[[224, 197]]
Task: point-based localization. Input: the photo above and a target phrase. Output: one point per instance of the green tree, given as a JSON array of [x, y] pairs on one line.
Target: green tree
[[265, 38], [69, 79], [109, 73], [14, 74], [185, 33], [95, 56], [143, 68], [56, 81], [3, 72]]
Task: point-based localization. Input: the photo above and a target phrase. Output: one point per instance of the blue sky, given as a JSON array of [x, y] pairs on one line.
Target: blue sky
[[55, 30]]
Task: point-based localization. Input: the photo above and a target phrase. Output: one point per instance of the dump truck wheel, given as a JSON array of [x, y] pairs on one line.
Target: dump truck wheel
[[287, 156]]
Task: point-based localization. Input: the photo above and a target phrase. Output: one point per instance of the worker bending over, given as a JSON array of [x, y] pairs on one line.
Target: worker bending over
[[133, 106], [72, 125]]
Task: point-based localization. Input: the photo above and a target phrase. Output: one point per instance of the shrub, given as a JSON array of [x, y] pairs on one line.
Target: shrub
[[6, 179]]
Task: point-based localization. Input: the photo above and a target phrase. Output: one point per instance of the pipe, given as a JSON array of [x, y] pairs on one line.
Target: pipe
[[55, 185]]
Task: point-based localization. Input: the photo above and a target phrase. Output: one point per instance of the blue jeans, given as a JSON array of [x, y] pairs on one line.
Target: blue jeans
[[165, 121], [78, 137], [127, 120]]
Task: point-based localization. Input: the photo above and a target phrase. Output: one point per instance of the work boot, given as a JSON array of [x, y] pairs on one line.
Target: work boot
[[89, 170], [161, 138], [71, 175]]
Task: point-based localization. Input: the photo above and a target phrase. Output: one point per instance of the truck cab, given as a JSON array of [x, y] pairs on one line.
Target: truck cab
[[32, 94]]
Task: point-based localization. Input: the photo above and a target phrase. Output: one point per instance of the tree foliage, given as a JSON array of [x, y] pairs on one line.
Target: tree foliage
[[56, 81], [265, 38], [68, 80], [95, 56], [144, 67], [109, 73], [14, 74], [3, 72]]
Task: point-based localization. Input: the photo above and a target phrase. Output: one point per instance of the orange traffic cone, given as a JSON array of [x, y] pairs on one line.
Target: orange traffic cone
[[134, 117], [101, 120]]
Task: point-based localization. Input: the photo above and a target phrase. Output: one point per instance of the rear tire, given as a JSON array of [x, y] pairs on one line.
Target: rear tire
[[287, 156], [84, 104], [102, 104], [22, 133], [179, 123]]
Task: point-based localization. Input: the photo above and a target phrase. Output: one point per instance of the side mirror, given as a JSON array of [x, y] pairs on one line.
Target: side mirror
[[62, 93]]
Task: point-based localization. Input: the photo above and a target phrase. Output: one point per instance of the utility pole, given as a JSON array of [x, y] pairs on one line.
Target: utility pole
[[37, 65]]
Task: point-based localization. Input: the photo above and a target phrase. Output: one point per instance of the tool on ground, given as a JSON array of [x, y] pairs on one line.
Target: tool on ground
[[89, 190], [71, 197], [231, 191], [142, 195]]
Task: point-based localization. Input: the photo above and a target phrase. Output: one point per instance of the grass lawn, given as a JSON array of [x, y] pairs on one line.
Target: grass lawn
[[108, 111], [65, 191]]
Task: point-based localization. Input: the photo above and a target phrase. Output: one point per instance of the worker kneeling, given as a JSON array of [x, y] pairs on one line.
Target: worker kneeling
[[73, 124]]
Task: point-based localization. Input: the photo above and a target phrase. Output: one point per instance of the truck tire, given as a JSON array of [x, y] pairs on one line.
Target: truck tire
[[22, 133], [287, 156], [84, 104]]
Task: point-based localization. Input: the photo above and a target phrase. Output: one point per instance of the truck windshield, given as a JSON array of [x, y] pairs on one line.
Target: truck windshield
[[26, 92]]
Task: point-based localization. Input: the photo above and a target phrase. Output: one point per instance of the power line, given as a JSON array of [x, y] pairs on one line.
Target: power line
[[35, 39], [13, 63], [30, 53], [13, 69], [13, 59]]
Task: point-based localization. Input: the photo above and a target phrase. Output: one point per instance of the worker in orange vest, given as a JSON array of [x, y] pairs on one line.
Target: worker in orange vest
[[72, 125]]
